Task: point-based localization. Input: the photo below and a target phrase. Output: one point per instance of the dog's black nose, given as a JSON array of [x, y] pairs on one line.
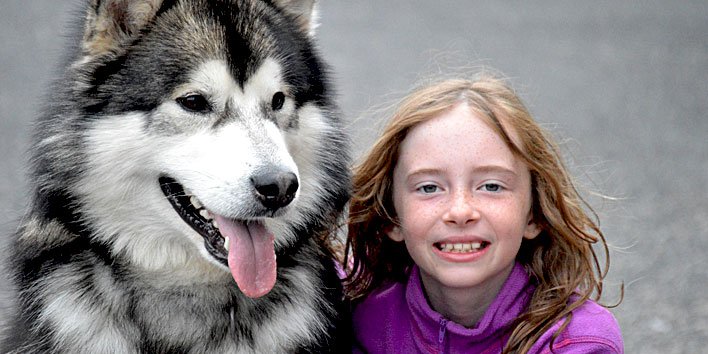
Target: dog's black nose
[[275, 189]]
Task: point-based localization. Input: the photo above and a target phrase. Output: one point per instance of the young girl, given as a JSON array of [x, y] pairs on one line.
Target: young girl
[[466, 234]]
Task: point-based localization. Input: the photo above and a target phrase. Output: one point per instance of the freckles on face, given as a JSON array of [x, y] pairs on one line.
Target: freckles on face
[[462, 198]]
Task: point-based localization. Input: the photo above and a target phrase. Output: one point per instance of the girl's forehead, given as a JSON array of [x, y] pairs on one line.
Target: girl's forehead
[[458, 135], [461, 119]]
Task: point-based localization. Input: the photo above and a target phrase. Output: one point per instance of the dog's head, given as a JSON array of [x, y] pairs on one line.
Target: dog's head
[[199, 125]]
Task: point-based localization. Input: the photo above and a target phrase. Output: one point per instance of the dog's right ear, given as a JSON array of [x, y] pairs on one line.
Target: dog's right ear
[[112, 23], [304, 12]]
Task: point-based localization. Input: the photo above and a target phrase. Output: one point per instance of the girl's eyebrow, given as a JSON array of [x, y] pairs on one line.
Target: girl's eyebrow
[[496, 169], [423, 172]]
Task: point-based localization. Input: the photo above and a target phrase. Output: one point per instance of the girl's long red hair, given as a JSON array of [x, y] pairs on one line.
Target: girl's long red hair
[[561, 260]]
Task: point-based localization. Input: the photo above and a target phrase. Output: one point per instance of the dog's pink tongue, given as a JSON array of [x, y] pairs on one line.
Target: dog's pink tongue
[[251, 256]]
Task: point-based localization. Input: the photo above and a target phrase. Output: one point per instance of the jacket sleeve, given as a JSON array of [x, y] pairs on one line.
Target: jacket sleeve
[[585, 345], [592, 329]]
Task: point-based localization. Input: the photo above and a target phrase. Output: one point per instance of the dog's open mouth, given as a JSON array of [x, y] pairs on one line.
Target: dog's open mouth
[[195, 215], [245, 246]]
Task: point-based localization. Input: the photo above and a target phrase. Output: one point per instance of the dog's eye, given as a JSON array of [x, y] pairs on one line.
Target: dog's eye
[[278, 101], [195, 103]]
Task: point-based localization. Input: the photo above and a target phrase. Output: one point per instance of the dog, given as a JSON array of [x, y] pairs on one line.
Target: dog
[[186, 180]]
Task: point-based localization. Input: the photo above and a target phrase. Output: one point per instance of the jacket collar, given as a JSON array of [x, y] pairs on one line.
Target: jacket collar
[[512, 300]]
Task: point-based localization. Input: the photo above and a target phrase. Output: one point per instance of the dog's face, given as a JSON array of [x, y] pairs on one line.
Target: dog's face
[[206, 126]]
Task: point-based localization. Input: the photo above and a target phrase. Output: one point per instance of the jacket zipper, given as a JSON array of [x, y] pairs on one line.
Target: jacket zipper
[[441, 335]]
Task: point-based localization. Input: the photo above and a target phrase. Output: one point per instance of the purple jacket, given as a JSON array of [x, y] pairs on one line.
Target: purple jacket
[[397, 319]]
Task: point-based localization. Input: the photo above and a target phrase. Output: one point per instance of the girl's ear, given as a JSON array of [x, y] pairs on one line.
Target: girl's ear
[[532, 230], [394, 233]]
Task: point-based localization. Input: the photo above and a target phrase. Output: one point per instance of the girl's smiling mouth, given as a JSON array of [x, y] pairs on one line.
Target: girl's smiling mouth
[[461, 247]]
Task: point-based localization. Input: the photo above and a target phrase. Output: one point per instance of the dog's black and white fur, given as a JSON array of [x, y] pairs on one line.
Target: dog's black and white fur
[[170, 115]]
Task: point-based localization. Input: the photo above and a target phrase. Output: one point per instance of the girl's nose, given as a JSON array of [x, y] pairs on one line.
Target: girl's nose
[[461, 208]]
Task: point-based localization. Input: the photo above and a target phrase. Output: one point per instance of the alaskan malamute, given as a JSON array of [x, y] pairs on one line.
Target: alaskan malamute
[[185, 178]]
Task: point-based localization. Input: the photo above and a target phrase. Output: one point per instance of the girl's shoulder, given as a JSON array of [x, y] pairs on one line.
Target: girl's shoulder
[[381, 320], [387, 298], [592, 329]]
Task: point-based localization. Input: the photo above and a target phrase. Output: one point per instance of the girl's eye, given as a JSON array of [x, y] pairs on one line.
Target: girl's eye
[[491, 187], [428, 188], [194, 103], [278, 101]]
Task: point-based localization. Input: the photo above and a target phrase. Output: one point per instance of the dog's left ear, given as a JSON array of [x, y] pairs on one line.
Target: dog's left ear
[[304, 11], [110, 24]]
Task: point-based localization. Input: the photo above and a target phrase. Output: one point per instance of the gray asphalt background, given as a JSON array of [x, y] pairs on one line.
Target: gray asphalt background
[[623, 84]]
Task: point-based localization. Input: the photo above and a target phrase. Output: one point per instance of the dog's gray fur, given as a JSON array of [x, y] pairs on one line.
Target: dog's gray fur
[[103, 262]]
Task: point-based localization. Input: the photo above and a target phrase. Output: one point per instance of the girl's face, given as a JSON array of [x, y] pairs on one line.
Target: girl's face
[[463, 202]]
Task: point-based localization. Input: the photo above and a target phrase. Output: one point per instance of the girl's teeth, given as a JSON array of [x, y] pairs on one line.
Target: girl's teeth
[[460, 247]]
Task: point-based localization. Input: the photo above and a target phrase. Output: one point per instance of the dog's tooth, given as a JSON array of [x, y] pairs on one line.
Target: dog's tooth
[[226, 243], [205, 214], [213, 222], [195, 202]]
